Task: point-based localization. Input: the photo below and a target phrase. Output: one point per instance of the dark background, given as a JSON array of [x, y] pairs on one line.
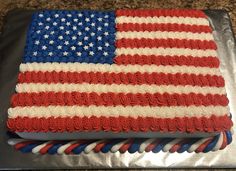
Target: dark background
[[7, 5]]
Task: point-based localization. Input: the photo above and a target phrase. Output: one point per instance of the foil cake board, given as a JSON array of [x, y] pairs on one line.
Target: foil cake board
[[11, 43]]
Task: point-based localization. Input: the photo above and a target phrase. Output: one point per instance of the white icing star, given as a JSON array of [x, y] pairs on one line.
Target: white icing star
[[60, 37], [80, 15], [69, 15], [106, 44], [92, 24], [99, 28], [105, 53], [65, 53], [54, 23], [106, 24], [35, 53], [40, 23], [48, 19], [66, 42], [46, 36], [99, 38], [87, 19], [91, 44], [61, 28], [91, 53], [47, 27], [79, 33], [68, 23], [67, 32], [106, 16], [80, 23], [99, 48], [92, 34], [78, 53], [100, 19], [51, 42], [80, 43], [74, 37], [40, 15], [106, 33], [44, 47], [75, 20], [56, 15], [87, 28], [52, 32], [38, 31], [86, 38], [74, 28], [63, 19], [86, 47], [59, 47], [73, 48], [50, 53], [92, 15], [37, 42]]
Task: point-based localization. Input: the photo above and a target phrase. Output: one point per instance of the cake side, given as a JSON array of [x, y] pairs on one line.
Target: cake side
[[135, 70]]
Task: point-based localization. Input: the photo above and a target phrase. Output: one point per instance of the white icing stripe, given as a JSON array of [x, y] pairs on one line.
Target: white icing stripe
[[144, 145], [132, 111], [163, 35], [62, 149], [15, 141], [165, 51], [116, 147], [39, 147], [219, 142], [162, 20], [117, 88], [91, 146], [197, 144], [168, 146], [80, 67]]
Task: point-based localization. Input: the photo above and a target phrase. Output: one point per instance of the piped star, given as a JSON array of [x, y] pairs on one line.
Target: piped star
[[35, 53], [44, 47], [51, 42], [66, 42], [91, 53], [86, 47], [73, 48], [105, 53], [37, 42], [65, 53], [78, 53]]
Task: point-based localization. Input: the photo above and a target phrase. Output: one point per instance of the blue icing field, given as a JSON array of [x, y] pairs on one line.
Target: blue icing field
[[71, 36]]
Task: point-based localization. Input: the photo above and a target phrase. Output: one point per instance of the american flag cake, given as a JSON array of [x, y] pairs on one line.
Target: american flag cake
[[123, 72]]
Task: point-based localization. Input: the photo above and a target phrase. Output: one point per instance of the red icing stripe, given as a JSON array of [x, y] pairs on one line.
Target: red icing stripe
[[210, 61], [126, 146], [122, 78], [224, 143], [22, 144], [73, 146], [203, 146], [175, 147], [165, 43], [99, 146], [45, 148], [152, 145], [160, 12], [116, 99], [120, 124], [163, 27]]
